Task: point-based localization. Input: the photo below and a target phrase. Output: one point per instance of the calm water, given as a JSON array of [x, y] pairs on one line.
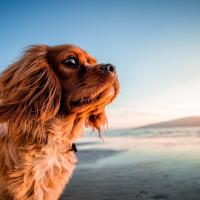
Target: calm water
[[156, 132], [153, 164]]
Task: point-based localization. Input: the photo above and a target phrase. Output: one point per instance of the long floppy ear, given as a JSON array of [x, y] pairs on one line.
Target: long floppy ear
[[29, 95], [97, 120]]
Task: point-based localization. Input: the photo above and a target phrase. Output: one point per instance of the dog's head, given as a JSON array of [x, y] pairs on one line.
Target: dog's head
[[59, 80], [86, 86]]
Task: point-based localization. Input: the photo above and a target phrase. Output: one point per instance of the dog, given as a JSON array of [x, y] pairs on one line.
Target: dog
[[47, 97]]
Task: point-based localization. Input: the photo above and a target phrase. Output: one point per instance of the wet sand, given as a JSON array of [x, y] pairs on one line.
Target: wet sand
[[136, 169]]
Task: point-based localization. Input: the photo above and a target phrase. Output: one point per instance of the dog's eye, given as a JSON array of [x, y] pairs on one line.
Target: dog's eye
[[71, 62]]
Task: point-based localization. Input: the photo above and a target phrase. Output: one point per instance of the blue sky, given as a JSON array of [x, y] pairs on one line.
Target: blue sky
[[154, 44]]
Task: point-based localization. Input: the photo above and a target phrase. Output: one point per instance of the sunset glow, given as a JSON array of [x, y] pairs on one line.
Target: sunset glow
[[154, 45]]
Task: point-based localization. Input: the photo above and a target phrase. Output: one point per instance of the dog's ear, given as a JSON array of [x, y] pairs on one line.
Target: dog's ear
[[97, 120], [29, 93]]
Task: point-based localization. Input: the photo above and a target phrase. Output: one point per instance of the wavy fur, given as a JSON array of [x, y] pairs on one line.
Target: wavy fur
[[37, 130]]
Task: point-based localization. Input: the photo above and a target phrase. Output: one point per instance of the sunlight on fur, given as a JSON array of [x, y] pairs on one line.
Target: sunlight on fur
[[47, 97]]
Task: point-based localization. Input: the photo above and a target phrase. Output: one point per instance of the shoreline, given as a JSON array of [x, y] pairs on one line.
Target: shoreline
[[137, 169]]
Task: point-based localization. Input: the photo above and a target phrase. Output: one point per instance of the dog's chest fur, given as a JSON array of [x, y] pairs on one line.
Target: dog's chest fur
[[38, 170]]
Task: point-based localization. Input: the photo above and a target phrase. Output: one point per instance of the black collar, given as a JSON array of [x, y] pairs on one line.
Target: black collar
[[73, 148]]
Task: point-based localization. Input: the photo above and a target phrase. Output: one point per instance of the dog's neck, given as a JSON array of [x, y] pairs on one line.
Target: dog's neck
[[60, 129], [69, 127]]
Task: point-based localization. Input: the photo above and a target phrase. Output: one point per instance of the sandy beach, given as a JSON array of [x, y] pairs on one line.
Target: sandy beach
[[131, 168]]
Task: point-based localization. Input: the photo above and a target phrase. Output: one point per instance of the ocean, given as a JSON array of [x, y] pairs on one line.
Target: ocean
[[138, 164], [156, 132]]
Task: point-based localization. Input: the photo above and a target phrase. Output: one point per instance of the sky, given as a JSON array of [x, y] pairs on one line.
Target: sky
[[154, 44]]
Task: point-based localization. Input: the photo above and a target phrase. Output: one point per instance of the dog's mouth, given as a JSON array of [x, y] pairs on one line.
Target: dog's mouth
[[103, 95], [86, 100]]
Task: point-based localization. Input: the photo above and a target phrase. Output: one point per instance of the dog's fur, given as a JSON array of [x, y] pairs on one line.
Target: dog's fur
[[44, 105]]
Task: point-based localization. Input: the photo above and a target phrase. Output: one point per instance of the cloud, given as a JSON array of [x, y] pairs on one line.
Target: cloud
[[126, 117], [178, 101]]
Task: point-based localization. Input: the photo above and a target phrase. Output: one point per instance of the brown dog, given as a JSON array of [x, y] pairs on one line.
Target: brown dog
[[46, 98]]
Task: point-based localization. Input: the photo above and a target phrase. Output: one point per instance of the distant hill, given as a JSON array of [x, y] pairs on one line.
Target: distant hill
[[182, 122]]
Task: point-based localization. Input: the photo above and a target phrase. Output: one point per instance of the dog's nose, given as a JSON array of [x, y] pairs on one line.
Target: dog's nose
[[108, 68]]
